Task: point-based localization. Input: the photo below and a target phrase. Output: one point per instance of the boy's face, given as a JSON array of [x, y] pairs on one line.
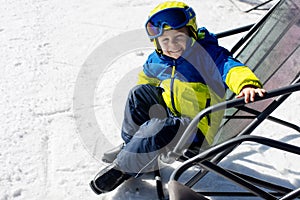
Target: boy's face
[[174, 42]]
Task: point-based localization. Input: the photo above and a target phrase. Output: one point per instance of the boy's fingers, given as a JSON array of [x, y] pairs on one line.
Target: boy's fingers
[[261, 92], [252, 95], [247, 97]]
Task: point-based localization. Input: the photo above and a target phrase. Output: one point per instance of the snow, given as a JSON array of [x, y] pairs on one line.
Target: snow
[[47, 151]]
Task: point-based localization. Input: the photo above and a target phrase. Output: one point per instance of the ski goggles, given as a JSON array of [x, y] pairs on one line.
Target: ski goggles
[[174, 17]]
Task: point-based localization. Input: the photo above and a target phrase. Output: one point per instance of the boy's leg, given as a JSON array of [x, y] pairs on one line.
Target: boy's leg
[[148, 129], [154, 137], [143, 103]]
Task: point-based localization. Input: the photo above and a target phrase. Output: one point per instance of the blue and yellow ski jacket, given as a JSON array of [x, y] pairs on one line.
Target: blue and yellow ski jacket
[[197, 79]]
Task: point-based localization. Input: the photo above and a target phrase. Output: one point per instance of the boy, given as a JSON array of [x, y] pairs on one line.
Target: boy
[[187, 72]]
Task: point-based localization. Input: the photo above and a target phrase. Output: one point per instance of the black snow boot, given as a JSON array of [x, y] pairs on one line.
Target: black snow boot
[[108, 179]]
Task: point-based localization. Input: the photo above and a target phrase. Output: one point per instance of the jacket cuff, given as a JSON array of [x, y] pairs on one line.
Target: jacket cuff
[[241, 76]]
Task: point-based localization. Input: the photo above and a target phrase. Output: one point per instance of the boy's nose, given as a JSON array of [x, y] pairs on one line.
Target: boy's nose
[[174, 43]]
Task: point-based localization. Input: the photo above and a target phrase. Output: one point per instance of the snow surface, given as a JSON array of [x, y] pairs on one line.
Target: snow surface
[[44, 153]]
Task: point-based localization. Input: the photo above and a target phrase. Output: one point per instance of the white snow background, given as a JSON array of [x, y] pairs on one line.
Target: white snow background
[[43, 47]]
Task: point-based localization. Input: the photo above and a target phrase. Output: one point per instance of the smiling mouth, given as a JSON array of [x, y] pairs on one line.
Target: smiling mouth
[[178, 51]]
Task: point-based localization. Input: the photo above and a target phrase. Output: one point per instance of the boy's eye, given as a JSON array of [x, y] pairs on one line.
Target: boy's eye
[[180, 37]]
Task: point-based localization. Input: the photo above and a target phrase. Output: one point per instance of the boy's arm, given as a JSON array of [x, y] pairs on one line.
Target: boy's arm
[[242, 81], [239, 78]]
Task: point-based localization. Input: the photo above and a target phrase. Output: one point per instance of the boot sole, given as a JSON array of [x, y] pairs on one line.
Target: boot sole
[[93, 187]]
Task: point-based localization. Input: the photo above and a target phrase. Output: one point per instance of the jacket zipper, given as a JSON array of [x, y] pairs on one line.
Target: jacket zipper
[[172, 88]]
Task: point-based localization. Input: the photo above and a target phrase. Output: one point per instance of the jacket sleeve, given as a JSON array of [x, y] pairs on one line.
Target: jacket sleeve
[[239, 77], [234, 73], [144, 79]]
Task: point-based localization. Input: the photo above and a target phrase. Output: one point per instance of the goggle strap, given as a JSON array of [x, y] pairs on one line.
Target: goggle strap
[[191, 12]]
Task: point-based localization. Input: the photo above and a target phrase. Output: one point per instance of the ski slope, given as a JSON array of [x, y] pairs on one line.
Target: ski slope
[[48, 151]]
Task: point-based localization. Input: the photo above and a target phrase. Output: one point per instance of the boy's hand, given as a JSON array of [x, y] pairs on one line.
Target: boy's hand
[[249, 93]]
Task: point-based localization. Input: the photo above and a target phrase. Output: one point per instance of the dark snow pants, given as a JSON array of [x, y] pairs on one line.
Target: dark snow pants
[[148, 129]]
